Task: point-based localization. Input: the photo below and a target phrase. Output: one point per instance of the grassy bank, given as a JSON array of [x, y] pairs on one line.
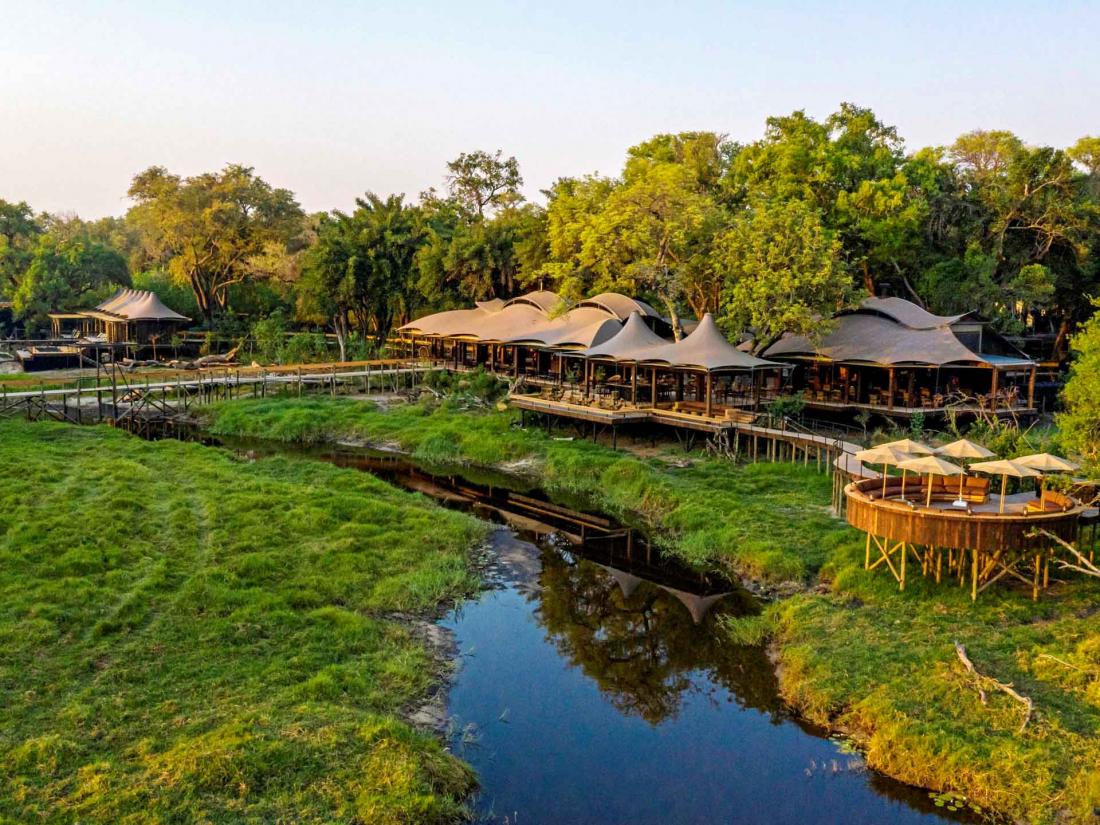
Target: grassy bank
[[853, 655], [768, 521], [882, 665], [188, 638]]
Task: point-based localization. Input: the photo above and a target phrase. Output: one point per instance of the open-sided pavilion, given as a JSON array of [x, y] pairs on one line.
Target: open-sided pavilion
[[891, 356]]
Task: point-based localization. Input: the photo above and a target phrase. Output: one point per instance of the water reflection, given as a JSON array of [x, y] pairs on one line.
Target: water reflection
[[596, 686], [640, 643]]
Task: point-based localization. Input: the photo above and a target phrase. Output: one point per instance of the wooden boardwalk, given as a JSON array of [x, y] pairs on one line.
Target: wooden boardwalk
[[138, 400]]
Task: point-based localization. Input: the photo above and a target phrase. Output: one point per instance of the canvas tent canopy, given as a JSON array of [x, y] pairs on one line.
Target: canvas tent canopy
[[531, 320], [707, 349], [893, 332], [135, 305]]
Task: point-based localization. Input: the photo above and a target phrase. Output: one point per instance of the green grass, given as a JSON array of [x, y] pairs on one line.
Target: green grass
[[859, 656], [189, 638], [767, 521], [882, 665]]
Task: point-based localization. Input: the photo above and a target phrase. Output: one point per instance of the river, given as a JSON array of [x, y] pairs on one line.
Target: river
[[595, 686]]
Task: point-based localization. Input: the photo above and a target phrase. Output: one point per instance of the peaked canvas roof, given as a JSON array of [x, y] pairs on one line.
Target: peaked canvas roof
[[909, 314], [138, 305], [543, 299], [705, 348], [526, 320], [621, 306], [632, 342], [877, 334], [580, 327]]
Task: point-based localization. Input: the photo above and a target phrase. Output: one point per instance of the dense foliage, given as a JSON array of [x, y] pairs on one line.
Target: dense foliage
[[1080, 423], [771, 236]]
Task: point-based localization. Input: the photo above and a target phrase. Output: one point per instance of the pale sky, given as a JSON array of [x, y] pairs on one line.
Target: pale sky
[[331, 99]]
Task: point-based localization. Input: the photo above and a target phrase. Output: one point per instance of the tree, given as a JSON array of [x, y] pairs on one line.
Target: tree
[[19, 232], [643, 239], [360, 272], [783, 272], [64, 274], [1080, 423], [481, 181], [211, 225], [572, 209]]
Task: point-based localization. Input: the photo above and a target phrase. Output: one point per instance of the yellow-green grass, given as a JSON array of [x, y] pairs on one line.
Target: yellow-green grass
[[882, 665], [189, 638], [766, 521]]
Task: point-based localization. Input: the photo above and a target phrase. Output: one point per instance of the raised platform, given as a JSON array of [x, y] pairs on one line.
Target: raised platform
[[978, 541]]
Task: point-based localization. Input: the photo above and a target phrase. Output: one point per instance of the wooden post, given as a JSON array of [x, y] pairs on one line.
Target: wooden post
[[653, 387], [890, 391], [974, 575], [1031, 389], [710, 395], [634, 384], [993, 393]]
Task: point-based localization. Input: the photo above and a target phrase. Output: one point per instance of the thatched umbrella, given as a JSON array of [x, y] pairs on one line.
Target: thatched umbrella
[[1005, 468], [963, 448], [884, 455], [934, 466]]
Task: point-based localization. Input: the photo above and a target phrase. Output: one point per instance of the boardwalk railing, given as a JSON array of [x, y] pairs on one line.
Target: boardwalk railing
[[141, 400]]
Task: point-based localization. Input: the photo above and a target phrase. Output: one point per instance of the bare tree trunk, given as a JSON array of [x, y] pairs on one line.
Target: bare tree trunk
[[674, 319]]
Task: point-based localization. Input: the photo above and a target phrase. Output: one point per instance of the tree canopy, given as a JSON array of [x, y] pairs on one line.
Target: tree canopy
[[771, 235]]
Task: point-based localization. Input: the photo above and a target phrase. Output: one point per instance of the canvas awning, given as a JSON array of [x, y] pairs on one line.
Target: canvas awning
[[580, 327], [892, 332], [135, 305], [706, 348], [632, 343]]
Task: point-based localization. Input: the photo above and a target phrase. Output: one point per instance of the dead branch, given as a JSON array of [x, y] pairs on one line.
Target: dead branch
[[981, 679], [1083, 565]]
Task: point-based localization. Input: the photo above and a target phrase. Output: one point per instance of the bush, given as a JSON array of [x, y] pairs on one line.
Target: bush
[[269, 334]]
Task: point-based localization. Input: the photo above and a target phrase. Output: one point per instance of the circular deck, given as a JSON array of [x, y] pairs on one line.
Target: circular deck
[[944, 525]]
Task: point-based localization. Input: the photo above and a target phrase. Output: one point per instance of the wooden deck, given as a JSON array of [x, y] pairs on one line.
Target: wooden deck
[[977, 542]]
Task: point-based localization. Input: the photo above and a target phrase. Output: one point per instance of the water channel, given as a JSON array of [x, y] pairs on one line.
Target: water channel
[[594, 686]]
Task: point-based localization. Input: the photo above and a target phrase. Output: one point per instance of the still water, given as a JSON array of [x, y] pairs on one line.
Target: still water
[[594, 685]]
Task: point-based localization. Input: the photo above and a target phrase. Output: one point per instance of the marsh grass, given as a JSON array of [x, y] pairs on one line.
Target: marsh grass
[[189, 638], [766, 521]]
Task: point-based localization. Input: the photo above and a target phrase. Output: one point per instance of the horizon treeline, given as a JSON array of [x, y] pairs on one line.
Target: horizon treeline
[[770, 236]]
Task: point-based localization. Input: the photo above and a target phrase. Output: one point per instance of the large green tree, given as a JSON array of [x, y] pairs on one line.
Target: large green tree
[[1080, 423], [19, 232], [783, 272], [67, 272], [209, 227]]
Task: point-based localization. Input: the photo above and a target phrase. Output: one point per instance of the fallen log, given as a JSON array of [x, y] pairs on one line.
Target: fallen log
[[981, 679]]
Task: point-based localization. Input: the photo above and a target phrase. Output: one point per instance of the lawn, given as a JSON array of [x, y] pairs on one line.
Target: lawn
[[882, 665], [185, 637]]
